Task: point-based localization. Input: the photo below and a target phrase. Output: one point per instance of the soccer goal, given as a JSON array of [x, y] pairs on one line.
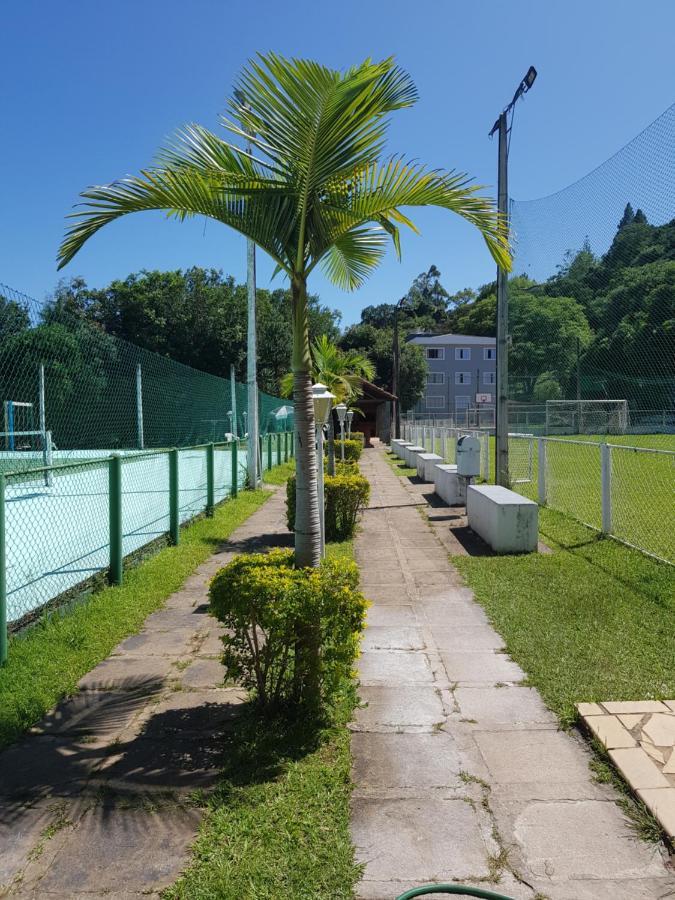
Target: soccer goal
[[586, 416]]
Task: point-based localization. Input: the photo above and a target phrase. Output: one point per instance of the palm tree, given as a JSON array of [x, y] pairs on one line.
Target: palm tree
[[314, 189], [340, 370]]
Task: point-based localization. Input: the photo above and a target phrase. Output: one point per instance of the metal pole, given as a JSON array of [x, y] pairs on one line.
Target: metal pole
[[235, 469], [606, 478], [139, 407], [395, 377], [115, 518], [269, 450], [342, 441], [541, 471], [41, 400], [233, 399], [210, 480], [174, 510], [502, 410], [279, 448], [3, 576], [322, 502]]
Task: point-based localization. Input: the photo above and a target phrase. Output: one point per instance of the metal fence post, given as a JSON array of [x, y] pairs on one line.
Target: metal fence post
[[174, 513], [235, 470], [210, 477], [279, 448], [606, 478], [285, 446], [269, 450], [260, 452], [541, 471], [3, 576], [115, 518]]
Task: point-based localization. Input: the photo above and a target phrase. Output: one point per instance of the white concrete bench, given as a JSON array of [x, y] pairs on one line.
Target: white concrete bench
[[410, 454], [448, 485], [397, 446], [505, 520], [425, 465]]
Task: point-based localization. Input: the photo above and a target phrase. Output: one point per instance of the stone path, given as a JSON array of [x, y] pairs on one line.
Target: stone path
[[97, 801], [461, 772]]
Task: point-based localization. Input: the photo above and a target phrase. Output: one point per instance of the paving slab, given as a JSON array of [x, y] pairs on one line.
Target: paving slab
[[418, 840], [480, 666], [399, 707], [393, 667], [393, 762], [510, 705], [391, 615]]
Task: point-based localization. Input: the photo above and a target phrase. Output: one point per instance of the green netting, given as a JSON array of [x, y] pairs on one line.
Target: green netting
[[101, 393], [592, 297]]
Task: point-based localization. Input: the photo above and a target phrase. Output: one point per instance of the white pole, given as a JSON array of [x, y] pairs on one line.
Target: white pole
[[606, 478], [322, 502], [251, 370], [48, 458], [541, 471], [41, 401], [233, 398], [139, 407]]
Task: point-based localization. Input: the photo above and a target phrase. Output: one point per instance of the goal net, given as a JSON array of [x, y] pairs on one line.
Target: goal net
[[586, 416]]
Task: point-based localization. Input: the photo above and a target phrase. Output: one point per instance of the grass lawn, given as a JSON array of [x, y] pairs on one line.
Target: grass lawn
[[591, 621], [47, 660], [278, 825], [399, 466]]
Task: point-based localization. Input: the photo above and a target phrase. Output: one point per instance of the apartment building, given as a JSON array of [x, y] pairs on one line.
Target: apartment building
[[462, 374]]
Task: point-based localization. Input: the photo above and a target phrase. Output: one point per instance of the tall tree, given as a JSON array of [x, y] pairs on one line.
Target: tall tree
[[314, 190]]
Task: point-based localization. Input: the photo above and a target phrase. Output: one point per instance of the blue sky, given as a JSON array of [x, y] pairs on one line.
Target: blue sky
[[91, 89]]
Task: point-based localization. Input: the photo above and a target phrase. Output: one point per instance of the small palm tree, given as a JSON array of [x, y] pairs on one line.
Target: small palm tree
[[340, 370], [314, 189]]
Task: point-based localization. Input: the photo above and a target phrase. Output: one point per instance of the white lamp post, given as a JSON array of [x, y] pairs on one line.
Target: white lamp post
[[350, 416], [322, 400], [341, 411]]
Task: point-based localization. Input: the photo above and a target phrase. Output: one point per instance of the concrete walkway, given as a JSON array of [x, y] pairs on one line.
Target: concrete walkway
[[461, 772], [98, 801]]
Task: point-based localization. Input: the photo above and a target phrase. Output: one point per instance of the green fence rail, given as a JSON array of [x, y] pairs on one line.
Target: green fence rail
[[65, 526]]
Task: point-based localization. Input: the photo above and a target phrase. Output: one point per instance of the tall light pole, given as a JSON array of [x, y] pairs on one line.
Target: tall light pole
[[322, 400], [502, 408], [251, 350], [396, 374], [341, 410]]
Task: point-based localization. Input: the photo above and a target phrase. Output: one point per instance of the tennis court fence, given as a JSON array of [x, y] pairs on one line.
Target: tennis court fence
[[66, 527]]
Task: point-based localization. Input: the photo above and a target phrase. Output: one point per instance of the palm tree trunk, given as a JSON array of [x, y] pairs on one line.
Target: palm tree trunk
[[307, 523]]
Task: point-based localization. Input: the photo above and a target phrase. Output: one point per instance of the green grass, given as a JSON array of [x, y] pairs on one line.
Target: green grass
[[591, 621], [47, 660], [280, 474], [278, 825], [398, 466]]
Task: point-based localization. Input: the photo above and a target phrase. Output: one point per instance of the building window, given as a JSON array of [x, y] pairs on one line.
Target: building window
[[462, 402], [435, 402], [462, 353], [435, 378], [435, 352], [462, 377], [489, 353], [489, 378]]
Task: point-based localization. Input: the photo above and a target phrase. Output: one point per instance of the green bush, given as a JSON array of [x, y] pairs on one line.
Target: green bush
[[345, 496], [347, 468], [353, 449], [358, 436], [267, 606]]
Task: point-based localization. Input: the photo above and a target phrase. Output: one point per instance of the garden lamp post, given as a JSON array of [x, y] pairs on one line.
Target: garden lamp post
[[323, 401], [341, 411], [350, 416]]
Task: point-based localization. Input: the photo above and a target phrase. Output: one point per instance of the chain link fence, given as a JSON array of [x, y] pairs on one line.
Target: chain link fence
[[105, 450]]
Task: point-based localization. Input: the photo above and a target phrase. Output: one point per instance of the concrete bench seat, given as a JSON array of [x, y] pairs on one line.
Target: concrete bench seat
[[425, 465], [410, 454], [397, 446], [505, 520], [448, 485]]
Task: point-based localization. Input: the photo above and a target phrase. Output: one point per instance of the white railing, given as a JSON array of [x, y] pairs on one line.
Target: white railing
[[622, 491], [443, 440]]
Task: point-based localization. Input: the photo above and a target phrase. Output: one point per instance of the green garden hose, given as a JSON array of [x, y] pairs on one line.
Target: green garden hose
[[452, 889]]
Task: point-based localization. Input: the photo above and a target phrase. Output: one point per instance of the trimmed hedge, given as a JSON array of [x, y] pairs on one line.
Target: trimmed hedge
[[353, 449], [345, 497], [267, 605]]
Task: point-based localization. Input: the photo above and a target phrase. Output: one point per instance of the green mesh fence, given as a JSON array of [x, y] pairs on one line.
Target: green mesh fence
[[105, 450], [592, 297], [592, 356], [94, 392]]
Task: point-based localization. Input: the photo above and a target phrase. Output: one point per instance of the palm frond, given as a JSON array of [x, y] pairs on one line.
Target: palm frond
[[353, 255]]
